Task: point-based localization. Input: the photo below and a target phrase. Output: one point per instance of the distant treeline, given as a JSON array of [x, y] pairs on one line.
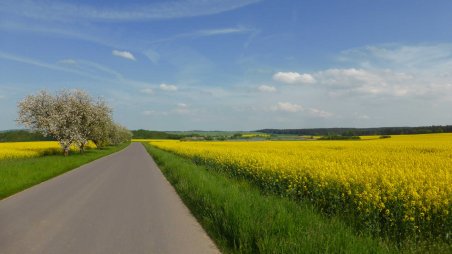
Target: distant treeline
[[145, 134], [22, 135], [361, 131], [27, 135]]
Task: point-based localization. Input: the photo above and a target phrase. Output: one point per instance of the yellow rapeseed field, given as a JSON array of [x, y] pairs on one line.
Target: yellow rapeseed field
[[400, 186], [17, 150]]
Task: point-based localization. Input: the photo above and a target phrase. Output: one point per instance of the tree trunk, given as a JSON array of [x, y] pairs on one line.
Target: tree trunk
[[66, 151]]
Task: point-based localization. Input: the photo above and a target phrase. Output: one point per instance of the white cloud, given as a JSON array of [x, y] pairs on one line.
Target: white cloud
[[319, 113], [403, 70], [347, 77], [182, 109], [148, 91], [148, 112], [294, 108], [154, 113], [288, 107], [167, 87], [266, 89], [294, 78], [386, 71], [123, 54], [377, 82]]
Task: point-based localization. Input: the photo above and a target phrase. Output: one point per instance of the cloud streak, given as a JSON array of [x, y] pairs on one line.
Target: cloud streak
[[207, 33], [124, 54], [288, 107], [56, 10], [40, 64], [81, 68]]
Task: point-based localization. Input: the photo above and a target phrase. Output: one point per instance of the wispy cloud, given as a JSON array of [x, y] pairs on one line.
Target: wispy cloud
[[220, 31], [266, 89], [41, 64], [295, 108], [124, 54], [67, 61], [56, 10], [288, 107], [319, 113], [148, 91], [58, 30], [82, 68], [294, 78], [399, 56], [152, 55], [182, 109], [207, 33], [168, 88]]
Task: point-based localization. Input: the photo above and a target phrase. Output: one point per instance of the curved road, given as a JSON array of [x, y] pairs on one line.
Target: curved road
[[118, 204]]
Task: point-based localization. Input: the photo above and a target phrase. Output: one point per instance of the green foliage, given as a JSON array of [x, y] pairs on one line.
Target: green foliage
[[236, 136], [146, 134], [338, 137], [361, 131], [22, 136]]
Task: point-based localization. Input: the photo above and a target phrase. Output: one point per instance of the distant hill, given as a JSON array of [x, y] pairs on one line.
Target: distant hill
[[21, 136], [145, 134], [361, 131]]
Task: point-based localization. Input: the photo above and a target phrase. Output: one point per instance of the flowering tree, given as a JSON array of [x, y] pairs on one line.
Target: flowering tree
[[101, 130], [71, 117], [119, 134], [37, 111]]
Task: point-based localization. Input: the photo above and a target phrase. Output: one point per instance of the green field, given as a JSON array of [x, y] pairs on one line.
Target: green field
[[19, 174]]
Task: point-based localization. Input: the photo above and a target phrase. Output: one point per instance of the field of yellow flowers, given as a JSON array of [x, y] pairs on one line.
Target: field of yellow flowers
[[18, 150], [397, 187]]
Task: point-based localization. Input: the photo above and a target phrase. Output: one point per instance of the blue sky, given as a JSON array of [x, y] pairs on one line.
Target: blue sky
[[237, 64]]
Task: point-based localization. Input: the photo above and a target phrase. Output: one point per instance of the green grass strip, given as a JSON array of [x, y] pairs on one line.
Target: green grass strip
[[241, 219], [19, 174]]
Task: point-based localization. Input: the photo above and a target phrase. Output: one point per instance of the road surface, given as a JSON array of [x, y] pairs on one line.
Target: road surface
[[118, 204]]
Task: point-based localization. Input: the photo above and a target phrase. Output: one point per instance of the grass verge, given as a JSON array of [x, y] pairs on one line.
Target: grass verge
[[20, 174], [241, 219]]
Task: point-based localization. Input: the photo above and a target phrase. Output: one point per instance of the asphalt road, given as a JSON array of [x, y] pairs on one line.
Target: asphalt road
[[118, 204]]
